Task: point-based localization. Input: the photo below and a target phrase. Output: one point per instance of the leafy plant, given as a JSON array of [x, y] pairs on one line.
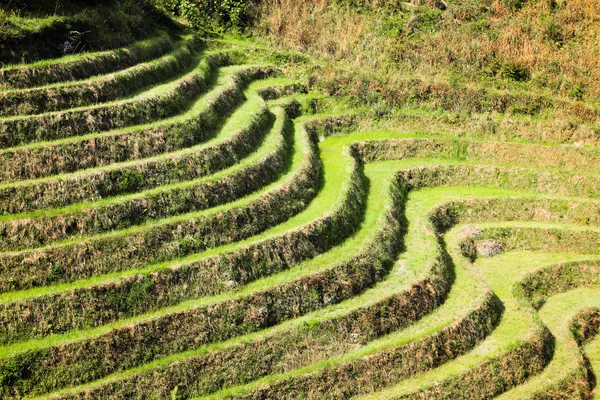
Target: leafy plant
[[424, 19], [577, 92], [514, 4], [515, 72], [553, 32], [212, 14]]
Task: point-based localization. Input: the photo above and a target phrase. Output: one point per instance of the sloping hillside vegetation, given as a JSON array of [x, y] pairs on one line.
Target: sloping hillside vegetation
[[299, 199]]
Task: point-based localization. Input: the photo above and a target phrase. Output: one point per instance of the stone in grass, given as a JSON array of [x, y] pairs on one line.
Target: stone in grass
[[489, 248]]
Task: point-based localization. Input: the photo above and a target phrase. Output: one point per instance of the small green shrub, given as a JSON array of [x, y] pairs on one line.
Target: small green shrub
[[515, 72], [57, 271], [130, 180], [553, 33], [577, 92], [424, 19], [392, 25], [514, 4], [212, 14], [459, 150], [13, 370]]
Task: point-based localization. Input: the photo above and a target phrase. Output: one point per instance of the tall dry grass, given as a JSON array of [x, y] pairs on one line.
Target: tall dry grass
[[558, 42], [313, 26]]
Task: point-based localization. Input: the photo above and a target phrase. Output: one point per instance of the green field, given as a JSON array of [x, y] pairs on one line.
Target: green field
[[187, 215]]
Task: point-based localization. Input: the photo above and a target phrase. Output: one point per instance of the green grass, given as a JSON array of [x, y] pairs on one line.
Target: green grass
[[377, 202], [13, 25], [325, 200], [551, 169], [420, 250], [411, 264], [516, 324], [141, 96], [239, 120], [271, 142], [556, 315], [201, 103], [99, 79]]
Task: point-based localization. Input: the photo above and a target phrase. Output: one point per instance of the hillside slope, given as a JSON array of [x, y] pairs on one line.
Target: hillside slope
[[190, 216]]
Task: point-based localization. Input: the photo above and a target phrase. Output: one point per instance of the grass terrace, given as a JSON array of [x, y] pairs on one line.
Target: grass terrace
[[191, 216]]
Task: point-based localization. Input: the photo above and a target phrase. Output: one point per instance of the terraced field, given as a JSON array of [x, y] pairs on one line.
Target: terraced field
[[188, 222]]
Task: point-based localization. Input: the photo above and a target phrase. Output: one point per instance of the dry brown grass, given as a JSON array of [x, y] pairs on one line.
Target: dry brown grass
[[306, 25], [471, 40]]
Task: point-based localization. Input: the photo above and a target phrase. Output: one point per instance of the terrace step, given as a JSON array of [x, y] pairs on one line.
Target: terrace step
[[84, 66], [159, 102], [100, 89], [198, 124]]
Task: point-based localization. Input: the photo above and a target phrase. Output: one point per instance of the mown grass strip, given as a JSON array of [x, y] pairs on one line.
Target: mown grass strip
[[359, 248], [565, 376], [185, 229], [552, 156], [363, 303], [113, 299], [512, 333], [529, 185], [269, 341], [273, 154], [297, 379], [327, 393], [546, 129]]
